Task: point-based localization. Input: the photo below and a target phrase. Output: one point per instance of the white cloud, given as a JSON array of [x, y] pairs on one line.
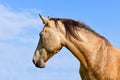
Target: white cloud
[[14, 23]]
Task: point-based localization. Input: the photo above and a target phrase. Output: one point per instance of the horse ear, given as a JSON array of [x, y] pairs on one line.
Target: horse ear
[[48, 17], [45, 20]]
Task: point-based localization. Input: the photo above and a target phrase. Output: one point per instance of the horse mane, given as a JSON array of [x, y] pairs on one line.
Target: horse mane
[[71, 26]]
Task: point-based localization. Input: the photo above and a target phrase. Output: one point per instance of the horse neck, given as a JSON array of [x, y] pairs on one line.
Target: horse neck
[[86, 51]]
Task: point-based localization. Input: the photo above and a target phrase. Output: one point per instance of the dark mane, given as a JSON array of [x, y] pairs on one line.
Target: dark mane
[[71, 26]]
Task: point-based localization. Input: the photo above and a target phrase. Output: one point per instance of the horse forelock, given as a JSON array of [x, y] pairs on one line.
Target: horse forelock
[[72, 26]]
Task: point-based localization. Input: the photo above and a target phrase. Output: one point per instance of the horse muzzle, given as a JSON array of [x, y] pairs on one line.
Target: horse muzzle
[[39, 64]]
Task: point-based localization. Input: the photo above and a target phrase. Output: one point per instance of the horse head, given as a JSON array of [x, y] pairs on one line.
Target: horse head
[[49, 44]]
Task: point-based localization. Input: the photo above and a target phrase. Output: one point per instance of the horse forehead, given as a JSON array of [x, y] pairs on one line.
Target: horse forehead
[[53, 26], [51, 23]]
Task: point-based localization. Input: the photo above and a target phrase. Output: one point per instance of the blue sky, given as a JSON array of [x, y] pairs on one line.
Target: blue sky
[[19, 34]]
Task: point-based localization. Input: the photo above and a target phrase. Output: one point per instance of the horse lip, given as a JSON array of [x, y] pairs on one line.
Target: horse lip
[[40, 64]]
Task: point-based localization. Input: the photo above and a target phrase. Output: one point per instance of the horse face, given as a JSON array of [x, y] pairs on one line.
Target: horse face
[[48, 45]]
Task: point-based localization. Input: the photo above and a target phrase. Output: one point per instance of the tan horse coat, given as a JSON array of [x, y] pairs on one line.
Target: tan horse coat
[[99, 59]]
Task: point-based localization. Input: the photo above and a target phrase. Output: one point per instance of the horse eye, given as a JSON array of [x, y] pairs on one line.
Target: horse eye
[[41, 34]]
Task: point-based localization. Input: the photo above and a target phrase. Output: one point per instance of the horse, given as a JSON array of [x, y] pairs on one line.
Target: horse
[[99, 59]]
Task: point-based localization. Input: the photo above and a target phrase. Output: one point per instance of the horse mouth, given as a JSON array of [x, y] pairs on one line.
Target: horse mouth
[[39, 64]]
